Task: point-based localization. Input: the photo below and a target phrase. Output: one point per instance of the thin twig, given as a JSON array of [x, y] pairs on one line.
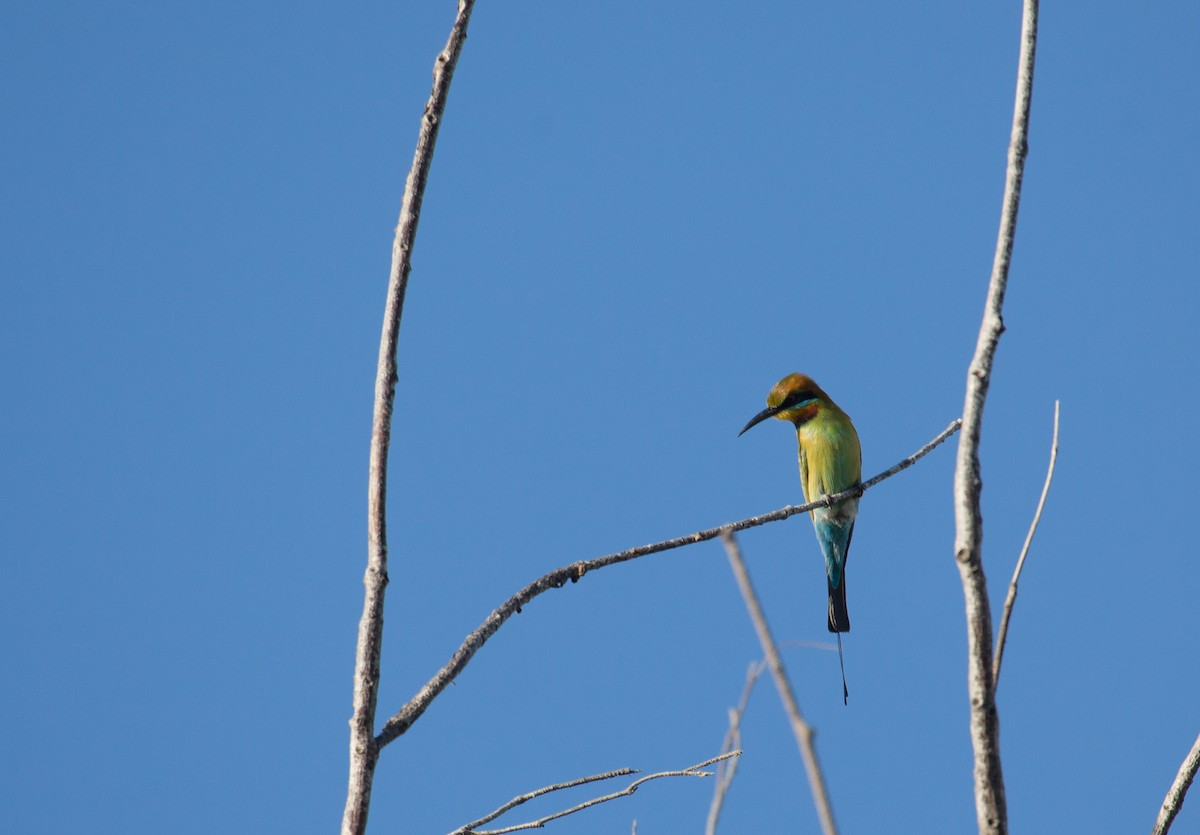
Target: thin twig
[[1175, 795], [690, 771], [990, 806], [800, 728], [1012, 587], [417, 705], [364, 750], [824, 646], [733, 740], [524, 798]]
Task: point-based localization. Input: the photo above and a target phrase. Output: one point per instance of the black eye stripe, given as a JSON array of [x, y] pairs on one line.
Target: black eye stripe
[[796, 398]]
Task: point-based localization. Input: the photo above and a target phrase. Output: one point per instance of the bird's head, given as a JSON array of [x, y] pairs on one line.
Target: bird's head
[[795, 398]]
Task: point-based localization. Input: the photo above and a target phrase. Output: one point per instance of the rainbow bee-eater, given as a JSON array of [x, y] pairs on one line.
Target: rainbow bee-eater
[[830, 462]]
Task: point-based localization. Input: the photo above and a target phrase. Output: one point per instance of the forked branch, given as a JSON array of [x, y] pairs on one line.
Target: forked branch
[[733, 741], [691, 771], [416, 706]]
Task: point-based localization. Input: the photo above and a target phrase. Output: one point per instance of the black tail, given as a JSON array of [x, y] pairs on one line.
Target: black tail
[[839, 618]]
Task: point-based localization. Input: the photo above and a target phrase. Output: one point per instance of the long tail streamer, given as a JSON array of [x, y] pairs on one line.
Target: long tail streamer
[[842, 663]]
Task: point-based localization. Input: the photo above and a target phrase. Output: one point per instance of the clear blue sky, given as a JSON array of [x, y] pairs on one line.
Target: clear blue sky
[[640, 217]]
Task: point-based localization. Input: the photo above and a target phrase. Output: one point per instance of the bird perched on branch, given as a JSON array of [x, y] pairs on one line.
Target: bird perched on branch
[[830, 462]]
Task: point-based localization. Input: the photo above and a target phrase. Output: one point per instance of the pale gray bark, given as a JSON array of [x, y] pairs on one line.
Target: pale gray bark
[[990, 805], [1011, 599], [364, 750], [540, 823], [1174, 799], [801, 730]]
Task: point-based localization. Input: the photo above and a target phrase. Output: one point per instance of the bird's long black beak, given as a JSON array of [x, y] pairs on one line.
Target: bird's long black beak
[[770, 411]]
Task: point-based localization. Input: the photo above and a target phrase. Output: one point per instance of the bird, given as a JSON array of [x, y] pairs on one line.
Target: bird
[[830, 462]]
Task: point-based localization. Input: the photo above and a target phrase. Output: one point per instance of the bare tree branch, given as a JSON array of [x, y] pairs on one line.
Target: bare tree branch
[[990, 806], [1175, 795], [830, 501], [800, 728], [364, 751], [733, 741], [690, 771], [524, 798], [1012, 587], [417, 705]]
